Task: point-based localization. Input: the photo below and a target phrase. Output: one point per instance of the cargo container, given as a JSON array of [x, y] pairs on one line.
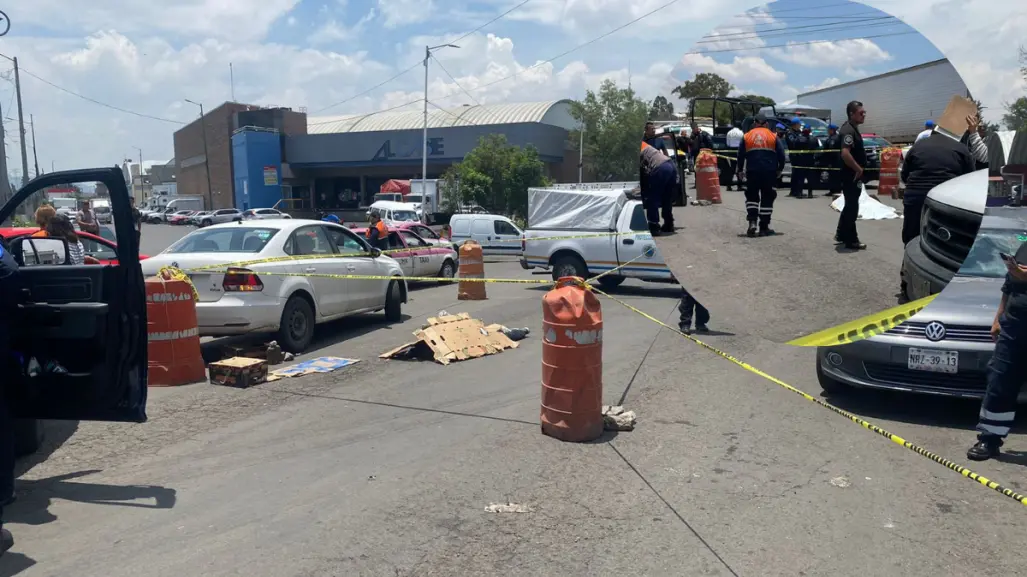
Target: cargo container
[[898, 103]]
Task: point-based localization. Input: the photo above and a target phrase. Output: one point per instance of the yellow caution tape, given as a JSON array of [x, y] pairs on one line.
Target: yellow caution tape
[[1022, 499], [171, 273], [863, 328], [733, 159]]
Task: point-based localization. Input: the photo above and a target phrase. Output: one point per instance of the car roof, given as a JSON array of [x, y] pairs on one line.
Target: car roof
[[288, 224], [392, 204]]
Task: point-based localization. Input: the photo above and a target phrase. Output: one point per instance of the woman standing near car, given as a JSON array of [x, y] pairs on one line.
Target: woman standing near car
[[60, 227]]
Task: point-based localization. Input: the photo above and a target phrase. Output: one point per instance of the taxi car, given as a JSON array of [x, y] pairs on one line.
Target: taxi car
[[416, 256]]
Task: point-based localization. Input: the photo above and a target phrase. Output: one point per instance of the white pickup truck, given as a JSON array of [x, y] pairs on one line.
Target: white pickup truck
[[587, 229]]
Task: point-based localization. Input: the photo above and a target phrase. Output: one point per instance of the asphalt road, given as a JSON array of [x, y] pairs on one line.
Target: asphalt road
[[386, 467], [769, 286]]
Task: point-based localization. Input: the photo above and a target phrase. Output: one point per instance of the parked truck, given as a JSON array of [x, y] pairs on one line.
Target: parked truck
[[102, 209], [587, 229], [425, 194]]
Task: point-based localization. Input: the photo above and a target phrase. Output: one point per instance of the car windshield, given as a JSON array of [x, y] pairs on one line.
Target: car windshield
[[875, 141], [224, 240], [404, 216], [414, 198], [983, 259], [59, 203], [108, 234]]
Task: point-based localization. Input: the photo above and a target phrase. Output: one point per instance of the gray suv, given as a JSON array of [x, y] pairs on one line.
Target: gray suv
[[220, 216]]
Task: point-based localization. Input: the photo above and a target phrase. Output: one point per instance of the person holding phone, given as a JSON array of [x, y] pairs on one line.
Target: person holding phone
[[1008, 366]]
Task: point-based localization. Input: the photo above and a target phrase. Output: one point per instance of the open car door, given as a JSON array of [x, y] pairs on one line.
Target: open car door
[[81, 331]]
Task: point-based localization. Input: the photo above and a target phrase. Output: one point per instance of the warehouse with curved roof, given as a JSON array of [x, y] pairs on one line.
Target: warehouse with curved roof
[[342, 161]]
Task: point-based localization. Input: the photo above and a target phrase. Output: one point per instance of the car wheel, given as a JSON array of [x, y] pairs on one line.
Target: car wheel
[[829, 385], [297, 329], [448, 270], [610, 281], [205, 222], [28, 436], [394, 303], [569, 265]]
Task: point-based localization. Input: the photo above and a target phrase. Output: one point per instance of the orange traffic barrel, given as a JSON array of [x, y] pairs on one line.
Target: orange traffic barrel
[[707, 180], [173, 340], [888, 181], [472, 265], [572, 362]]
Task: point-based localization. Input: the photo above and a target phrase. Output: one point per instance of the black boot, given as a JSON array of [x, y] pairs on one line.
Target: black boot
[[751, 233], [6, 541], [765, 230], [654, 229], [986, 448], [855, 245]]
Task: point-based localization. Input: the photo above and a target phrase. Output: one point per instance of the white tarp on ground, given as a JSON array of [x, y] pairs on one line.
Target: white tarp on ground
[[585, 209], [869, 207]]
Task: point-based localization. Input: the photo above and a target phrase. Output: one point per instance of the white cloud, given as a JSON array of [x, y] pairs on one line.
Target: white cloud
[[396, 13], [826, 83], [741, 68], [333, 31], [836, 54], [738, 33]]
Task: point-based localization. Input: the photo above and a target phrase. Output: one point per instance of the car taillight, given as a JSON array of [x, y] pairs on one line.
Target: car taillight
[[241, 280]]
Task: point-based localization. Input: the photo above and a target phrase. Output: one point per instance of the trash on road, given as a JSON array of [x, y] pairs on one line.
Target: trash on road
[[869, 208], [238, 372], [507, 508], [615, 418], [453, 338], [841, 482], [318, 365], [513, 334], [272, 352]]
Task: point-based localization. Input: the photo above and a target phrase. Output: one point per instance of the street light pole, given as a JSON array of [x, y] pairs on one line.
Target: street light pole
[[206, 159], [424, 143], [140, 199]]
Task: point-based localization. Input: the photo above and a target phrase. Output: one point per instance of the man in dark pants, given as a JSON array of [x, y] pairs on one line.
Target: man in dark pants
[[853, 159], [797, 145], [932, 161], [761, 157], [9, 293], [831, 160], [657, 177], [1008, 366], [687, 307]]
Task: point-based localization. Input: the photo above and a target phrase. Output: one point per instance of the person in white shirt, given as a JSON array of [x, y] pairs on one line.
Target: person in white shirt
[[928, 130], [734, 139]]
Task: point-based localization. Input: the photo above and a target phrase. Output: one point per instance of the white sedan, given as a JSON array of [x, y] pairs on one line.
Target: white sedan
[[263, 214], [277, 296]]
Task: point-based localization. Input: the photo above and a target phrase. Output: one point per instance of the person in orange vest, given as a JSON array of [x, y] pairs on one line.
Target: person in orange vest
[[761, 158], [378, 233], [657, 177]]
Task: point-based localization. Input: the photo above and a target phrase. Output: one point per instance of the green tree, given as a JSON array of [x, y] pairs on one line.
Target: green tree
[[496, 175], [661, 109], [1015, 117], [706, 85], [1023, 62], [613, 120], [758, 98]]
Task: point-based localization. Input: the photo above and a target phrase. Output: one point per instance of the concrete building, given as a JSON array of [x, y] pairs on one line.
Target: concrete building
[[218, 124]]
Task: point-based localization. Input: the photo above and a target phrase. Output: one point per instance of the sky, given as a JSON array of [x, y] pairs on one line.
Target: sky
[[104, 79]]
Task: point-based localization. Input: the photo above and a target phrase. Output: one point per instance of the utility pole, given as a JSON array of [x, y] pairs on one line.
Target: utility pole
[[231, 79], [141, 195], [5, 185], [35, 154], [424, 143], [21, 126]]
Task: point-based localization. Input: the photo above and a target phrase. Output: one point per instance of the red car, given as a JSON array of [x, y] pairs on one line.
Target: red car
[[182, 217], [99, 247]]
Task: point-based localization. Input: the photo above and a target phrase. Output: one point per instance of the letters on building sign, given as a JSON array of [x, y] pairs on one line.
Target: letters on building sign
[[436, 147]]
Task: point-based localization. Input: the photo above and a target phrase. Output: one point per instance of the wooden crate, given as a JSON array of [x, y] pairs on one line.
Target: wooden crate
[[238, 372]]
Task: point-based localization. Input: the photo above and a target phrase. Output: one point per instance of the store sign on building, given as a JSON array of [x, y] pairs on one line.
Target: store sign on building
[[409, 149], [270, 176]]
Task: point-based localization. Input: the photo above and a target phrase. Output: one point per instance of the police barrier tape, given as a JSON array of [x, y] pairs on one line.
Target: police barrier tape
[[1022, 499], [733, 159], [397, 250], [805, 151], [863, 328]]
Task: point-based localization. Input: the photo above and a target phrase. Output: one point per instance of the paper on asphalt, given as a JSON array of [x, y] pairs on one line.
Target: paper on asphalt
[[869, 207]]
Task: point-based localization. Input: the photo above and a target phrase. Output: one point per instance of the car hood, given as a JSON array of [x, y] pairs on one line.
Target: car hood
[[965, 301]]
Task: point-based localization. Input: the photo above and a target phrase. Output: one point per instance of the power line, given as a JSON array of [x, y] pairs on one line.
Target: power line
[[93, 100], [544, 62], [454, 80], [460, 118], [804, 8], [418, 63], [787, 33], [800, 43], [822, 24]]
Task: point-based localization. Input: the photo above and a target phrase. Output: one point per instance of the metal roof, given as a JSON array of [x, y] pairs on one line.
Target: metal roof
[[879, 76], [554, 112]]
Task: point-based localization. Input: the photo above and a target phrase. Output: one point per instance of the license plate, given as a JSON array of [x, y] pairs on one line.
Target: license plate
[[934, 361]]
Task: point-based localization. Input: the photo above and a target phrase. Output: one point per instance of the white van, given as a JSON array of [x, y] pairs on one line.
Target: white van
[[180, 203], [390, 211], [496, 234]]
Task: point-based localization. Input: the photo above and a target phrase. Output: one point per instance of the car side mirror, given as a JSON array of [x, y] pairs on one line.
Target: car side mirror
[[38, 251], [375, 252]]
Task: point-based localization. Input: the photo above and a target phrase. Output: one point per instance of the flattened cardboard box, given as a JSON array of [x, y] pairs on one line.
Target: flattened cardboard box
[[953, 121], [238, 372], [454, 338]]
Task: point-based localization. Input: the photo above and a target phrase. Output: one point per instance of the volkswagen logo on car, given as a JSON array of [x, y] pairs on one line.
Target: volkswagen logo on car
[[944, 234], [934, 331]]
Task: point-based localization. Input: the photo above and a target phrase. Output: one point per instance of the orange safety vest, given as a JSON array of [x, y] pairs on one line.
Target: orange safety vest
[[760, 138], [41, 233], [383, 231]]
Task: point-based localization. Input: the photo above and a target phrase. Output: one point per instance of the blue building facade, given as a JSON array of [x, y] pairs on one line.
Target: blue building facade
[[257, 164]]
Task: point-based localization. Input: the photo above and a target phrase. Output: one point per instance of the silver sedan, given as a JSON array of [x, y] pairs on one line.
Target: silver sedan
[[221, 216]]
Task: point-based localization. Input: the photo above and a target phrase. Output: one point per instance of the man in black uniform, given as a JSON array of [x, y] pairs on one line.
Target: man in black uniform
[[798, 143], [853, 160], [934, 160], [831, 160], [1008, 366], [9, 295]]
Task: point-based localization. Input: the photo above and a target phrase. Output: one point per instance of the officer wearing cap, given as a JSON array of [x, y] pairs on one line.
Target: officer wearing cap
[[927, 131], [781, 130], [761, 158], [853, 163], [801, 163], [831, 159]]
